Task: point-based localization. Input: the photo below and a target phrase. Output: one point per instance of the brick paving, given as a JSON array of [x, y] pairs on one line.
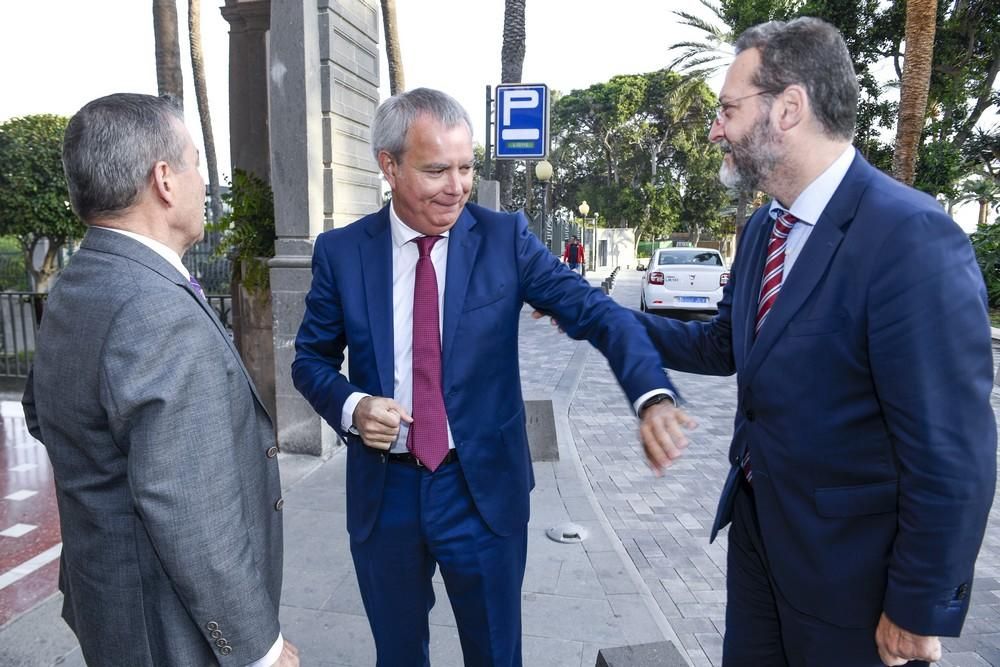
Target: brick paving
[[664, 522]]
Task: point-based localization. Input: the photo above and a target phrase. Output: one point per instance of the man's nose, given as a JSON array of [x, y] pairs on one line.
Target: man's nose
[[716, 133]]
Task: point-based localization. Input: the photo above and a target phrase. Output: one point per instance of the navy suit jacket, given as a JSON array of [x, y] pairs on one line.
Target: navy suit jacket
[[494, 266], [865, 402]]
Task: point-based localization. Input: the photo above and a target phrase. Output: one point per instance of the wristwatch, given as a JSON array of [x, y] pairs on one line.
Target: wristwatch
[[653, 400]]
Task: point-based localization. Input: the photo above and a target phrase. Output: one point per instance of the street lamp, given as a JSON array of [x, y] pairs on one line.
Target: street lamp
[[543, 172]]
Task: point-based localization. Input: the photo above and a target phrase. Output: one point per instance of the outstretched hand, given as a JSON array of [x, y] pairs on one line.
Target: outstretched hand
[[662, 434]]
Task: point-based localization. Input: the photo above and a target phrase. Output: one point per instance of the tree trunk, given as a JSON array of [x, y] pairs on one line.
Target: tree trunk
[[169, 80], [921, 23], [201, 94], [511, 65], [984, 211], [393, 53]]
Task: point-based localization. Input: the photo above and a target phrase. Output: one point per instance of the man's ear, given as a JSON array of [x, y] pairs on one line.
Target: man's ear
[[388, 165], [162, 182], [793, 106]]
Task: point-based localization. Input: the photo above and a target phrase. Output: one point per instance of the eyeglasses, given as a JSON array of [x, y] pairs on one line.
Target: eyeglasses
[[720, 113]]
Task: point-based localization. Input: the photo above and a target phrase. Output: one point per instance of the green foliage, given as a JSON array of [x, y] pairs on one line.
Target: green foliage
[[963, 78], [248, 231], [986, 243], [636, 148], [13, 274], [34, 201]]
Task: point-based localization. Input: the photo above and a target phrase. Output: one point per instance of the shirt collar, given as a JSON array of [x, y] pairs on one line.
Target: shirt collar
[[809, 205], [401, 232], [157, 247]]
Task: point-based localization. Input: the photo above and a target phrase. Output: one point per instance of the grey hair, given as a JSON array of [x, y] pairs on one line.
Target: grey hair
[[111, 146], [395, 116], [810, 52]]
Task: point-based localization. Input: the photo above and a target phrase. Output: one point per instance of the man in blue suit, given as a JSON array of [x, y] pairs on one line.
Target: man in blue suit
[[426, 295], [864, 449]]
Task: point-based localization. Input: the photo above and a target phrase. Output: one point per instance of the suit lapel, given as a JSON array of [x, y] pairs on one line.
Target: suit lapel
[[745, 309], [812, 262], [376, 270], [463, 246]]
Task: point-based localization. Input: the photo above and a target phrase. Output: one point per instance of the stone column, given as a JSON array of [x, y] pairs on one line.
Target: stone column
[[248, 128], [323, 94]]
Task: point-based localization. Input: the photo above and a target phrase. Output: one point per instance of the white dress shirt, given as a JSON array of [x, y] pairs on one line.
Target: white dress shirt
[[809, 206], [168, 254], [404, 271]]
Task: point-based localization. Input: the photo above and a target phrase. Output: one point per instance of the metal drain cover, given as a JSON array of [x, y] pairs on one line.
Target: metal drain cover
[[568, 532]]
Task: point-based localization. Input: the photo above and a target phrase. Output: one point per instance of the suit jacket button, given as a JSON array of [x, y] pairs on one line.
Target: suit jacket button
[[962, 592], [221, 642], [272, 452], [216, 634], [278, 505], [226, 650], [212, 625]]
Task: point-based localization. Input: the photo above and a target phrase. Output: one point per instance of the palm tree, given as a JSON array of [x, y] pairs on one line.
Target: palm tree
[[201, 93], [511, 65], [169, 80], [921, 23], [700, 59], [983, 190], [393, 54]]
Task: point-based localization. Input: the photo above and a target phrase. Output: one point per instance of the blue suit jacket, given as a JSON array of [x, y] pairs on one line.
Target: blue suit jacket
[[494, 266], [865, 404]]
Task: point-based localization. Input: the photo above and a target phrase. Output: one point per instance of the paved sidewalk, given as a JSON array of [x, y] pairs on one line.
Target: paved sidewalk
[[645, 574], [577, 598]]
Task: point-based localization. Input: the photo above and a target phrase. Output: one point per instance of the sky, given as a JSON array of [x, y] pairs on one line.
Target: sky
[[59, 54]]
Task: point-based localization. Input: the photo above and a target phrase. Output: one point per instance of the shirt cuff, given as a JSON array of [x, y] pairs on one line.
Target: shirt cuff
[[347, 415], [272, 655], [650, 394]]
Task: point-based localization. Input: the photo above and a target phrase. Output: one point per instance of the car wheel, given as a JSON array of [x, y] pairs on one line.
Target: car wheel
[[642, 303]]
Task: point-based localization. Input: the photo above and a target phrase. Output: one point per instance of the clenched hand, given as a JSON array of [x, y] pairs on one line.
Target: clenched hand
[[377, 420]]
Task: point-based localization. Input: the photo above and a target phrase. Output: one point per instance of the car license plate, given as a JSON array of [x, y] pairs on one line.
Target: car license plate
[[691, 299]]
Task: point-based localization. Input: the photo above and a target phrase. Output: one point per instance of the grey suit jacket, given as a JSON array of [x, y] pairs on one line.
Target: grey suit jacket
[[165, 474]]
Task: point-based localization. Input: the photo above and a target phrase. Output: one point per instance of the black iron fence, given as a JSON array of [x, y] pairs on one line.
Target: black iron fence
[[20, 313]]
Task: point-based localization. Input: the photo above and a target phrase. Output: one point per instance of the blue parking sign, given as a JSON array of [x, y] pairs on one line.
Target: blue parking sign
[[522, 121]]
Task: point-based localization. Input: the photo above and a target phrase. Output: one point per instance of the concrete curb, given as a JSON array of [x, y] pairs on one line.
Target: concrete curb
[[562, 398]]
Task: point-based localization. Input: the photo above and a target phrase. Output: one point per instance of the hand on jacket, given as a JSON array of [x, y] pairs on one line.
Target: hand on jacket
[[377, 420], [897, 646]]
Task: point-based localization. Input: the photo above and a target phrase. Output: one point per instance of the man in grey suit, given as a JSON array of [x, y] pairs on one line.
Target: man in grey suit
[[164, 458]]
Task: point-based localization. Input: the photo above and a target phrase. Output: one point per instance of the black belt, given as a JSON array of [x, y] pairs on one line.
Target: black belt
[[409, 459]]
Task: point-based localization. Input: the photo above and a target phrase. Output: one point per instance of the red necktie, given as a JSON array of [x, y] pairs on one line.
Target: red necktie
[[774, 266], [428, 436], [770, 285]]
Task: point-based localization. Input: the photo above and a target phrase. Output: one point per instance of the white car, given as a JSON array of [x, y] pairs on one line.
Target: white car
[[684, 279]]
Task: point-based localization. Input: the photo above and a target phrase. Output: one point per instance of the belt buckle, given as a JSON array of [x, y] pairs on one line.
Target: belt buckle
[[420, 464]]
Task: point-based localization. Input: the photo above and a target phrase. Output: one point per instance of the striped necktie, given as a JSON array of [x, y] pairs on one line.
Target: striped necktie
[[774, 267], [196, 286], [770, 285]]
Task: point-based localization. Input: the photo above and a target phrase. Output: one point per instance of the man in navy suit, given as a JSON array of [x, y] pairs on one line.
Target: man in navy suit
[[864, 449], [426, 295]]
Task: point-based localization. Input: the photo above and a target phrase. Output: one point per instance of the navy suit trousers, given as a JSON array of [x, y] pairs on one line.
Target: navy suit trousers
[[428, 520], [762, 628]]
